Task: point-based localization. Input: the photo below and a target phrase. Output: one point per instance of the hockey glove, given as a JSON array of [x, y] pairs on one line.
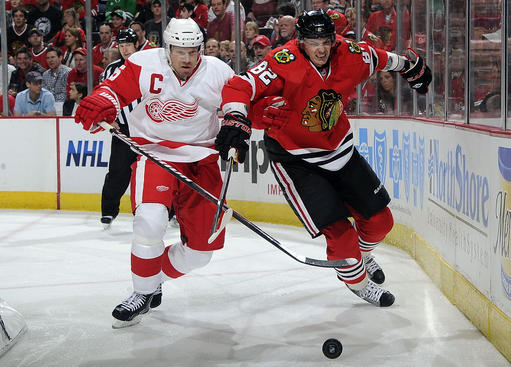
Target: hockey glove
[[417, 75], [99, 106], [234, 133], [272, 112]]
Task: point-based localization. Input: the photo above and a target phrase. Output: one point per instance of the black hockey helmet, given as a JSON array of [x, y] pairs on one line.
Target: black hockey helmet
[[127, 36], [315, 24]]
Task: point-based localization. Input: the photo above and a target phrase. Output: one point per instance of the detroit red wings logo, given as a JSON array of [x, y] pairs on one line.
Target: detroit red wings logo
[[170, 110]]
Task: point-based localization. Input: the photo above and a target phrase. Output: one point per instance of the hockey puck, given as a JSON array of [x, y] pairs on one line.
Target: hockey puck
[[332, 348]]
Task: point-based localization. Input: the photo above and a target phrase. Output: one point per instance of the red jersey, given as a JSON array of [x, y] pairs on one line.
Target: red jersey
[[74, 76], [147, 45], [384, 26], [339, 20], [40, 57], [317, 129], [98, 50]]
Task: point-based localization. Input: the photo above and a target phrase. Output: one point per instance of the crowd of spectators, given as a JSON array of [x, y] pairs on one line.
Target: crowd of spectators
[[46, 38]]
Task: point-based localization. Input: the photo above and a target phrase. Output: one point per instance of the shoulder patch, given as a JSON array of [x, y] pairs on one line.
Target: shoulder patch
[[372, 37], [334, 16], [353, 47], [284, 56]]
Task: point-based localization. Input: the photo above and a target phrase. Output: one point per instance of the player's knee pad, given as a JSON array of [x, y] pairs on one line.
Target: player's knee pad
[[185, 259], [377, 227], [150, 224]]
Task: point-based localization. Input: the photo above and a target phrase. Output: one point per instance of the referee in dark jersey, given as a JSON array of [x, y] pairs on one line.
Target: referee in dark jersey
[[121, 156]]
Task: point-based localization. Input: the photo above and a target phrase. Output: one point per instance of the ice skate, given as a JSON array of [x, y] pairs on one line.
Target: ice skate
[[130, 311], [156, 301], [374, 270], [107, 221], [375, 294]]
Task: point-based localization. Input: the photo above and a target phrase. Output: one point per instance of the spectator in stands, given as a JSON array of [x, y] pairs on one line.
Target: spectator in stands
[[153, 26], [11, 102], [386, 92], [17, 33], [128, 7], [186, 11], [224, 50], [38, 49], [10, 69], [24, 65], [118, 20], [55, 78], [232, 55], [47, 18], [251, 32], [200, 13], [287, 31], [77, 91], [79, 72], [70, 20], [229, 8], [212, 48], [222, 26], [262, 46], [109, 56], [142, 42], [105, 42], [286, 9], [73, 42], [262, 11], [382, 23], [34, 100], [338, 18]]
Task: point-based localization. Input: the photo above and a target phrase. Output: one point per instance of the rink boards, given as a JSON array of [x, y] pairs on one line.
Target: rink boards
[[450, 190]]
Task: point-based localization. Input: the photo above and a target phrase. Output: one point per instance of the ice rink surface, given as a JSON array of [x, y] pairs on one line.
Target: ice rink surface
[[251, 306]]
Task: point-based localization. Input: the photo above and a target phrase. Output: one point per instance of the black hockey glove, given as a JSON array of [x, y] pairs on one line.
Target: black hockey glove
[[419, 75], [234, 133]]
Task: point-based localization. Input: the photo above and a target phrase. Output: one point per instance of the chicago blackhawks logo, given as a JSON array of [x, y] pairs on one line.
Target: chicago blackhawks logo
[[354, 48], [170, 110], [284, 56], [322, 111]]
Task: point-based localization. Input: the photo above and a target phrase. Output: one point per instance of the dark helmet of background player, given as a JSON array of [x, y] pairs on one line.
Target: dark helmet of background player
[[127, 36], [315, 24]]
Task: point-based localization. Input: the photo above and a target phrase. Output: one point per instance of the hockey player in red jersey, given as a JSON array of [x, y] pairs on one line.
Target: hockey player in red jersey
[[296, 94], [178, 92]]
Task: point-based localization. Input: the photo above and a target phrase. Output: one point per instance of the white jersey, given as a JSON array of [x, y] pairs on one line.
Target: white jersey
[[175, 120]]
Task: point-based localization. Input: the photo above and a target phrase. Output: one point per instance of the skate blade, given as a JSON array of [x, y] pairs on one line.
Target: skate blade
[[119, 324], [106, 226]]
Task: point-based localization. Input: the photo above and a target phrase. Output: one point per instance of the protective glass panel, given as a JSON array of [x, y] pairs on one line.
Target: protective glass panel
[[485, 62]]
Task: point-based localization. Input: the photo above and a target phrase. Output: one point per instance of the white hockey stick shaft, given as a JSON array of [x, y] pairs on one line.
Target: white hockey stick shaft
[[215, 230], [204, 193]]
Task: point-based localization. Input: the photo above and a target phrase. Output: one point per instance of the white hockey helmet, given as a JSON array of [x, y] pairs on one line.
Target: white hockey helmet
[[183, 33]]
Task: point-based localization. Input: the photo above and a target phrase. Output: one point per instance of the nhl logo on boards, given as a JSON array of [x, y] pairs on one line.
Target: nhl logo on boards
[[170, 110], [284, 56]]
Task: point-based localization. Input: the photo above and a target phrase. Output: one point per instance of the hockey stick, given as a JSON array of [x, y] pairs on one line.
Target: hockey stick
[[174, 172], [221, 200]]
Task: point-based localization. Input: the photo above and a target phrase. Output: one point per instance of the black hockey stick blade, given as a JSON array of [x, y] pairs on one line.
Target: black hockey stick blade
[[204, 193]]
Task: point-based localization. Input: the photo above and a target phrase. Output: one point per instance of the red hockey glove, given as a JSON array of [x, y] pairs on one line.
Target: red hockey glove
[[419, 75], [99, 106], [275, 113], [234, 133]]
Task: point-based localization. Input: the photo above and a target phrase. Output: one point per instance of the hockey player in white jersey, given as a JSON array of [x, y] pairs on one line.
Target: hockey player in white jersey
[[176, 120]]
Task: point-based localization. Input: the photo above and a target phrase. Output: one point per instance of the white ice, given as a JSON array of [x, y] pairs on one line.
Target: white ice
[[251, 306]]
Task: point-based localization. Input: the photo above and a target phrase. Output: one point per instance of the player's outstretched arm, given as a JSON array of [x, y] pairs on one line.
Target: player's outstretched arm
[[101, 105]]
